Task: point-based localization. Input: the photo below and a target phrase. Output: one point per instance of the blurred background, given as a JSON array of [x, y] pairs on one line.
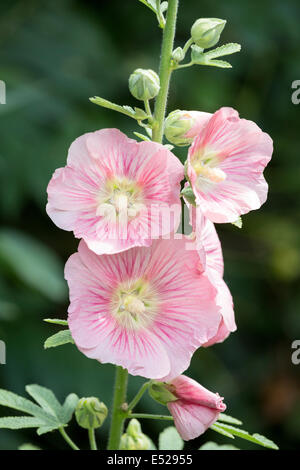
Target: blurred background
[[53, 57]]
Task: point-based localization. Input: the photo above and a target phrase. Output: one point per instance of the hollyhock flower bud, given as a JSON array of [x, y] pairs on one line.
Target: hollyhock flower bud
[[144, 84], [134, 438], [182, 126], [162, 392], [206, 31], [225, 166], [178, 54], [195, 408], [90, 413]]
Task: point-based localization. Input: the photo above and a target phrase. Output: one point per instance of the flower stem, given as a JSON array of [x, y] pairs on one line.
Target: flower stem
[[118, 415], [138, 396], [68, 439], [165, 70], [92, 439], [149, 416]]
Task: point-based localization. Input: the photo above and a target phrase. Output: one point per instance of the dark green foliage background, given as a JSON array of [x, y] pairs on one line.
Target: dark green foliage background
[[53, 56]]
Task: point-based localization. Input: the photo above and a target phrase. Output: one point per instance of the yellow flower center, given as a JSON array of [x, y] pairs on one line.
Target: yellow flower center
[[134, 304], [205, 164], [119, 198]]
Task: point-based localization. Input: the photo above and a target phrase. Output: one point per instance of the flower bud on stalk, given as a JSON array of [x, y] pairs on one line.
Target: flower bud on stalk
[[144, 84], [90, 413], [182, 126], [206, 31], [134, 439]]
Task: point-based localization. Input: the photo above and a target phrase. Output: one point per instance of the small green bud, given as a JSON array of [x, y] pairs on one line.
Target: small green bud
[[162, 392], [90, 413], [206, 31], [178, 54], [177, 124], [134, 439], [144, 84], [134, 428], [127, 442]]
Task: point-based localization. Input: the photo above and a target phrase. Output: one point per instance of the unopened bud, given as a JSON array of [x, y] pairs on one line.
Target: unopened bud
[[90, 413], [134, 439], [177, 124], [144, 84], [162, 392], [178, 54], [206, 31]]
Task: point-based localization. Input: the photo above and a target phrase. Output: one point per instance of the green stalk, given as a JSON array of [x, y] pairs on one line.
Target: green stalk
[[138, 396], [92, 439], [118, 415], [165, 71], [149, 416], [68, 439]]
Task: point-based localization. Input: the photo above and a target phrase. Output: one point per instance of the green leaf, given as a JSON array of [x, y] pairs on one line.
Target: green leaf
[[163, 6], [33, 263], [68, 407], [28, 446], [169, 439], [215, 427], [56, 321], [60, 338], [188, 194], [218, 63], [229, 419], [255, 438], [137, 113], [46, 399], [213, 446], [19, 422], [150, 4], [50, 415], [226, 49], [238, 223], [11, 400]]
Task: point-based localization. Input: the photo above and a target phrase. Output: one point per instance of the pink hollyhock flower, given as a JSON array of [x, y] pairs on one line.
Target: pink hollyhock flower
[[225, 166], [116, 193], [211, 256], [145, 309], [193, 407]]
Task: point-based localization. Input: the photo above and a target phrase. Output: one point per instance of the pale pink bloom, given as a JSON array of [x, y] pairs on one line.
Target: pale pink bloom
[[116, 193], [196, 408], [145, 309], [211, 261], [225, 166]]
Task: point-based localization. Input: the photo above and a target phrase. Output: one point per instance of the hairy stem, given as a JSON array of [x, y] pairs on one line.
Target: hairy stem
[[165, 70], [118, 415]]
